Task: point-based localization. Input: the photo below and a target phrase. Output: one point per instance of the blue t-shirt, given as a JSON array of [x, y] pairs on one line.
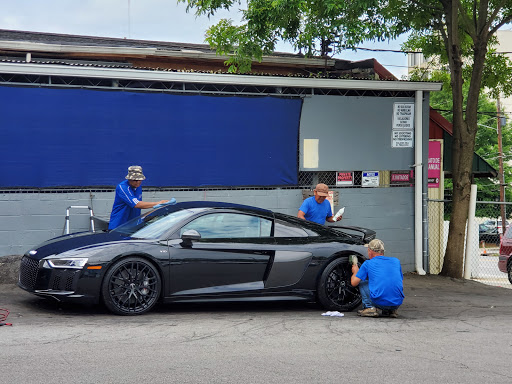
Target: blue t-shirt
[[316, 212], [125, 201], [385, 280]]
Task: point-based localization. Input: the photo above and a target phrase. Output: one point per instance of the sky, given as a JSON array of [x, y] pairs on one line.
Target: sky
[[160, 20]]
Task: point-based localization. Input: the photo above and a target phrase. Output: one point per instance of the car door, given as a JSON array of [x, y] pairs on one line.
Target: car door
[[231, 256]]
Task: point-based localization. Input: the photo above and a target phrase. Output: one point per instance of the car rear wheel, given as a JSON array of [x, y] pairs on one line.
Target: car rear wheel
[[334, 289], [131, 286], [509, 272]]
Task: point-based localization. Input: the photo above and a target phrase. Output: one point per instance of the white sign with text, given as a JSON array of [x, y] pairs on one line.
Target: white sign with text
[[370, 179]]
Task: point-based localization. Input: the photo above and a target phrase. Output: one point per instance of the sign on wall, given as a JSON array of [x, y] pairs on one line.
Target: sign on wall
[[370, 179], [344, 178], [401, 177], [434, 164], [402, 132]]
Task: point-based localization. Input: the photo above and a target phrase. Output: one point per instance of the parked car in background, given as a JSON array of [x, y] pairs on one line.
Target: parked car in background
[[496, 224], [488, 234], [200, 251], [505, 259]]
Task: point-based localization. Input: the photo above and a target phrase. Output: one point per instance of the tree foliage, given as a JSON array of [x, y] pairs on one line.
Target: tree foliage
[[303, 24], [486, 141], [460, 32]]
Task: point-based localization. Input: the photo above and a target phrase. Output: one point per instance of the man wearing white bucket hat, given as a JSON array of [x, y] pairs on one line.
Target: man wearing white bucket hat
[[128, 201]]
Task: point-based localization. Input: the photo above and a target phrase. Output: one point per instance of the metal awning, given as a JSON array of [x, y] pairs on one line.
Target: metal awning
[[215, 78], [481, 168]]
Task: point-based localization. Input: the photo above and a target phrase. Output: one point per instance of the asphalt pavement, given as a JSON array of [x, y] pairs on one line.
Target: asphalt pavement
[[448, 330]]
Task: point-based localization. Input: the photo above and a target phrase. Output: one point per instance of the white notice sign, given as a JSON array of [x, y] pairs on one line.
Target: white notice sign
[[370, 179], [402, 139], [403, 116], [402, 134]]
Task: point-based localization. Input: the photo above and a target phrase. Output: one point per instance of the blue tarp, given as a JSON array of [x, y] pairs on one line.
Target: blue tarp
[[71, 137]]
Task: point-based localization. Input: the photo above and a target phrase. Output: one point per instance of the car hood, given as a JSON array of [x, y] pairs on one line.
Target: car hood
[[82, 240]]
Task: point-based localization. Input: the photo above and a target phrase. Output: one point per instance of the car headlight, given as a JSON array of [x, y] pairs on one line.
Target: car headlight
[[71, 262]]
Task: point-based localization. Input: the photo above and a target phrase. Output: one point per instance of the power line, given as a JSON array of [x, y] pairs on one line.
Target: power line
[[400, 51], [490, 114]]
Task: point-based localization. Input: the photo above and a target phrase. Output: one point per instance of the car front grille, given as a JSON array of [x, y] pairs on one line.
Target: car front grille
[[28, 272], [63, 280]]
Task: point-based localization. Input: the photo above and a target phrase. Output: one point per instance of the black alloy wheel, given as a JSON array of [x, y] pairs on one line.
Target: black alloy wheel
[[334, 289], [131, 286]]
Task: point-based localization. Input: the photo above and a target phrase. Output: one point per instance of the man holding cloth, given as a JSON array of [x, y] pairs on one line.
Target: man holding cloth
[[128, 201], [316, 208], [380, 282]]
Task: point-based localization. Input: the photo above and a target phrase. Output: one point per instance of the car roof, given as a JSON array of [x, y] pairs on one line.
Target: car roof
[[219, 204]]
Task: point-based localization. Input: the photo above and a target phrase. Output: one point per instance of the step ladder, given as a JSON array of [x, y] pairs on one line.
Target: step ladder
[[66, 221]]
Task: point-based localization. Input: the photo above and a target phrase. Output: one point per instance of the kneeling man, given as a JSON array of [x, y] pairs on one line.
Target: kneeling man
[[380, 282]]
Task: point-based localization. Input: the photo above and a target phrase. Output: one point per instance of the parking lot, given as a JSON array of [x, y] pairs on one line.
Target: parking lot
[[448, 331]]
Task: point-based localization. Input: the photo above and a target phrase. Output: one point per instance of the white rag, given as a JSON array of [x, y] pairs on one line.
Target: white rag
[[333, 313]]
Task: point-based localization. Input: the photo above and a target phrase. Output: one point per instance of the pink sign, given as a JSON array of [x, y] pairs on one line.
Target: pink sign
[[434, 164]]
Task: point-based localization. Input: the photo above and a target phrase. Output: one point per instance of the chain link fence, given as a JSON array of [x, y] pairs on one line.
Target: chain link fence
[[484, 247]]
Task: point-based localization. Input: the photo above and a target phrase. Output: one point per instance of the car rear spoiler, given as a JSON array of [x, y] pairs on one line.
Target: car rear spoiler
[[368, 234]]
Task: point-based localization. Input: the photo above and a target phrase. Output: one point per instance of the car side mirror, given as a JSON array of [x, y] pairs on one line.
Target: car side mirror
[[189, 236]]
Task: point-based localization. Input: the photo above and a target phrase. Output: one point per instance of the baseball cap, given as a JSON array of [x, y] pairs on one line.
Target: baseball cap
[[322, 190], [376, 245], [135, 173]]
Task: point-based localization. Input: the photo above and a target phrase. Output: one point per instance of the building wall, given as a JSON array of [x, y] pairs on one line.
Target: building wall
[[505, 45], [27, 219], [354, 134]]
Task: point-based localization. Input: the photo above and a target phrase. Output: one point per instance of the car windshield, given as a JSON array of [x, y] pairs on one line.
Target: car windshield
[[152, 225]]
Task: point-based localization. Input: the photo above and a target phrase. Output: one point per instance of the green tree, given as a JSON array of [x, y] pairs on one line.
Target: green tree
[[486, 141], [459, 31]]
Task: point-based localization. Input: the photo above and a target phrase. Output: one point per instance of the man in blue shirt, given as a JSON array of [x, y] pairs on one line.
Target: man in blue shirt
[[128, 201], [380, 282], [316, 208]]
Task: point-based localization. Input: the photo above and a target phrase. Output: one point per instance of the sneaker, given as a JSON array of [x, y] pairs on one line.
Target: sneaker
[[369, 312], [386, 313], [393, 313], [361, 311]]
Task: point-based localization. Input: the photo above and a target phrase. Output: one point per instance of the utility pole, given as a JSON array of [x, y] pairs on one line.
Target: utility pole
[[501, 176]]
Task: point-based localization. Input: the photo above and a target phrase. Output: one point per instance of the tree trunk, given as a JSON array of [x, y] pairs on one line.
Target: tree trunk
[[464, 133]]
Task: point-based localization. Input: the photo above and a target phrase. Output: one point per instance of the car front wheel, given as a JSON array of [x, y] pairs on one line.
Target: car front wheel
[[509, 270], [131, 286], [334, 289]]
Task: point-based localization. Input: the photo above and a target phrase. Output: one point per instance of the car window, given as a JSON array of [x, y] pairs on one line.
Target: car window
[[153, 227], [508, 233], [285, 229], [229, 225]]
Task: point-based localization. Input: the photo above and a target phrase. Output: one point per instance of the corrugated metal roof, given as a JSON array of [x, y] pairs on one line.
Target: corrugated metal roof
[[107, 64], [66, 39], [49, 43]]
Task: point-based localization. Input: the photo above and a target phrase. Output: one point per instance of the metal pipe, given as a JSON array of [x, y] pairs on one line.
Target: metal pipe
[[470, 232], [418, 183]]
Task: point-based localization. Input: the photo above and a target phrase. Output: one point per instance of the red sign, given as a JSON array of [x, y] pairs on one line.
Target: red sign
[[401, 178]]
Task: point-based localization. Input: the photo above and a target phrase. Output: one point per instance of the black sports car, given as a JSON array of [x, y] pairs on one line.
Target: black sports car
[[199, 251]]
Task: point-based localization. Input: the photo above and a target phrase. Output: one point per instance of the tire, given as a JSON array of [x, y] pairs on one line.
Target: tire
[[131, 286], [334, 289], [509, 272]]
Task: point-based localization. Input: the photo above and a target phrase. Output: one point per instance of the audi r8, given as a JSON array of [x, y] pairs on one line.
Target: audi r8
[[199, 251]]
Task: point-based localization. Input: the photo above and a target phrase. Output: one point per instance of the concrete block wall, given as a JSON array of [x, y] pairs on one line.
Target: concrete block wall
[[27, 219]]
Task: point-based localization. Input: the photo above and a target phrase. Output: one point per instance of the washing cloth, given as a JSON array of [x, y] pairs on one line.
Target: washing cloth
[[170, 202], [333, 313]]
